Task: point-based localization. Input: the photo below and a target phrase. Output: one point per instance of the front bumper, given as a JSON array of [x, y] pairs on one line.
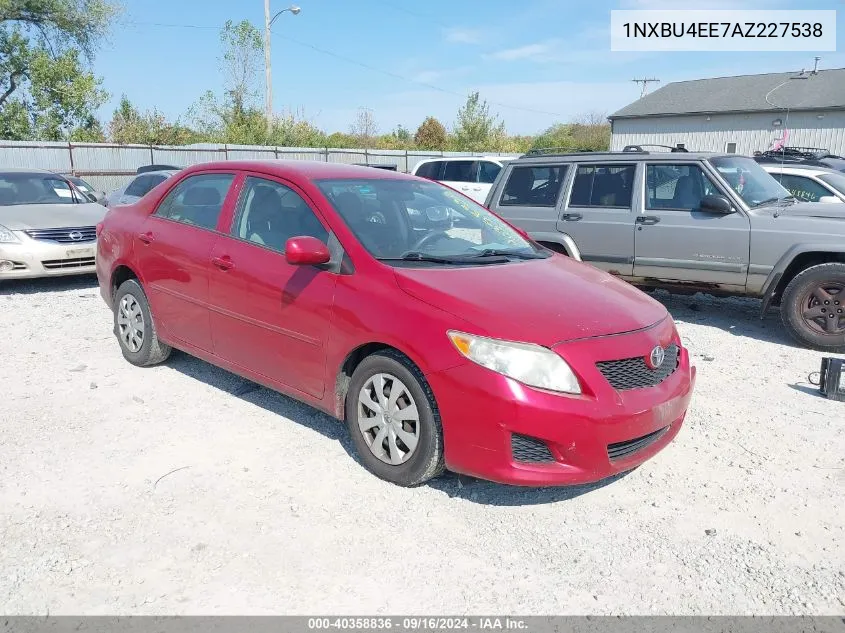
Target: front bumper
[[585, 438], [33, 258]]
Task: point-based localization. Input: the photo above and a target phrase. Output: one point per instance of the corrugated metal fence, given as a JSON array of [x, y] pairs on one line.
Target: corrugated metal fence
[[108, 166]]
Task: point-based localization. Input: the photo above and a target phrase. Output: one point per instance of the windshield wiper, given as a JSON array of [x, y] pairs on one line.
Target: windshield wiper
[[494, 252], [414, 256]]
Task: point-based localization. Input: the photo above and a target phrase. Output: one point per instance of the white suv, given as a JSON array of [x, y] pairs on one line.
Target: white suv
[[473, 175]]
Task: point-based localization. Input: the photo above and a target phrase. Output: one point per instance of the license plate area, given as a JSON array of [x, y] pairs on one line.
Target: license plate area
[[77, 253]]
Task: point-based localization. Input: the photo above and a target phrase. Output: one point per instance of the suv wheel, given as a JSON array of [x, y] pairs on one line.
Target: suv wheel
[[813, 307], [134, 327], [393, 420]]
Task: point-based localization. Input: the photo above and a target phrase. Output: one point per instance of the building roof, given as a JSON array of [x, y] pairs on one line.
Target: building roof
[[745, 93]]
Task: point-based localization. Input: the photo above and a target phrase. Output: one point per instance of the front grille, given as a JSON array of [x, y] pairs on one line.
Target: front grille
[[77, 262], [621, 450], [70, 235], [530, 450], [633, 373]]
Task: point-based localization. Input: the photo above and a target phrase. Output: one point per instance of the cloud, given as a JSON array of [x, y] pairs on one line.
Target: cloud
[[539, 51], [462, 36]]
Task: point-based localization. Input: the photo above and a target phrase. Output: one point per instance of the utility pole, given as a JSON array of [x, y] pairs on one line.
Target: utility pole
[[645, 83], [268, 71]]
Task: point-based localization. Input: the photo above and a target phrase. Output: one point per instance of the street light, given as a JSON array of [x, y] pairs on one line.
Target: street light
[[268, 71]]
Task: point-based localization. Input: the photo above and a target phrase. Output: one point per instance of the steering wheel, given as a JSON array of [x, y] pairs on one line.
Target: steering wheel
[[426, 239]]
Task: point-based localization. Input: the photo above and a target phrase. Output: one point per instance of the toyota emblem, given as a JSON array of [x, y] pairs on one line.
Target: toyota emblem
[[656, 358], [75, 236]]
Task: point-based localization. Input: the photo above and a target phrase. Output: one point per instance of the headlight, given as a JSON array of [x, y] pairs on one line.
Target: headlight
[[533, 365], [6, 236]]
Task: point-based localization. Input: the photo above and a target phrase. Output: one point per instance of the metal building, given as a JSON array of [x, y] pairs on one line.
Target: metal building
[[740, 114]]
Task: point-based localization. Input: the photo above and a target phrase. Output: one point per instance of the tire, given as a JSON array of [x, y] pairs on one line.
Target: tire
[[418, 464], [820, 291], [131, 308]]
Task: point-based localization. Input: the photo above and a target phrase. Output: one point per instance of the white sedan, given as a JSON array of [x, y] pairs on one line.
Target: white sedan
[[809, 184]]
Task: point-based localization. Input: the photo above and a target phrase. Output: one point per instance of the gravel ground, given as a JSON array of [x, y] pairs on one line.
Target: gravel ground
[[178, 490]]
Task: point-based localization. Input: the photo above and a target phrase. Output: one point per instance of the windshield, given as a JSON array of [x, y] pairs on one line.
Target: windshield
[[753, 183], [837, 181], [408, 220], [81, 184], [24, 188]]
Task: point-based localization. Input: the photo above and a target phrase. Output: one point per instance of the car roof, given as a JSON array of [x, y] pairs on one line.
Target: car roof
[[26, 170], [167, 172], [797, 167], [310, 169], [626, 157]]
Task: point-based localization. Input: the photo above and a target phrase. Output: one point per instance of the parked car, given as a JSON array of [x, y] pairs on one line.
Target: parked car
[[138, 187], [90, 192], [809, 156], [687, 221], [46, 227], [472, 176], [807, 183], [470, 348]]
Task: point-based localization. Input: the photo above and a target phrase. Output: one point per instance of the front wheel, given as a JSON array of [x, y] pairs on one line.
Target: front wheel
[[813, 307], [394, 421], [134, 327]]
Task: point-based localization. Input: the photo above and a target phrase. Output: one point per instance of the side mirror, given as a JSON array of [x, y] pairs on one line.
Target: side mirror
[[829, 199], [306, 251], [717, 205]]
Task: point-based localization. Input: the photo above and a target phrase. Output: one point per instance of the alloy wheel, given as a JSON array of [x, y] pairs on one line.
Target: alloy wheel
[[388, 419], [823, 308], [130, 323]]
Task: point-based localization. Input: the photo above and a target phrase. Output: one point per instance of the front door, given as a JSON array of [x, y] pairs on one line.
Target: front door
[[173, 250], [676, 241], [268, 316], [598, 215]]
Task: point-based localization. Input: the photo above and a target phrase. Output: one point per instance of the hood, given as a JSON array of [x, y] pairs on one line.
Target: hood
[[834, 210], [544, 301], [23, 217]]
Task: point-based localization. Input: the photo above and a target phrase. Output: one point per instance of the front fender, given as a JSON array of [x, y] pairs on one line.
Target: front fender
[[780, 268], [561, 239]]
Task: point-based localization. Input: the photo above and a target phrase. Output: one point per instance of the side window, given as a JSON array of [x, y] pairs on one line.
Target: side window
[[533, 186], [139, 186], [804, 189], [678, 187], [430, 170], [603, 186], [270, 213], [460, 171], [197, 200], [488, 171]]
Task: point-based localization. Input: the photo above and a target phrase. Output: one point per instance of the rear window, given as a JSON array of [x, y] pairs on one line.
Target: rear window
[[533, 186], [430, 170], [603, 186], [460, 171]]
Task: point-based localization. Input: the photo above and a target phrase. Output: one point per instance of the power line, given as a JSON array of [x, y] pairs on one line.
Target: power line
[[355, 62]]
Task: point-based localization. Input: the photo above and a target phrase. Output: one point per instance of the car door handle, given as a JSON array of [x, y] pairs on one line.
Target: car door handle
[[572, 217], [223, 263], [147, 238], [647, 219]]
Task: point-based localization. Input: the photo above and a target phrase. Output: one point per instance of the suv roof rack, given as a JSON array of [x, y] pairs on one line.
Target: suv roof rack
[[639, 148], [797, 153]]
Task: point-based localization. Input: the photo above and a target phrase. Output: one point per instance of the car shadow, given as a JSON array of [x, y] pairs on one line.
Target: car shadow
[[451, 484], [738, 316], [10, 287]]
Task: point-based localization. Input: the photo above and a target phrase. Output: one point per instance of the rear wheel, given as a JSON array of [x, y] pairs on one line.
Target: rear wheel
[[134, 327], [393, 420], [813, 307]]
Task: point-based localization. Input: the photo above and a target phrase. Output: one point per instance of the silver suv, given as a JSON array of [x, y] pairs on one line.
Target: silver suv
[[687, 221]]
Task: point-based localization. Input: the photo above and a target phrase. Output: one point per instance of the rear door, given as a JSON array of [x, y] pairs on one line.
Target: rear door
[[463, 176], [676, 241], [173, 251], [598, 214]]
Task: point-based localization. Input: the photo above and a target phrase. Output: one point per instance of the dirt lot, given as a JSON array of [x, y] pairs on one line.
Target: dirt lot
[[178, 489]]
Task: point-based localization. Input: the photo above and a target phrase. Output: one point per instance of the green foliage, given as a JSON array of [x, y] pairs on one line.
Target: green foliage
[[241, 60], [431, 135], [128, 126], [476, 129], [46, 90], [590, 133]]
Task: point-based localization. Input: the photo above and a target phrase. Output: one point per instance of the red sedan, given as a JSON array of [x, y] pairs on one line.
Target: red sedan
[[441, 335]]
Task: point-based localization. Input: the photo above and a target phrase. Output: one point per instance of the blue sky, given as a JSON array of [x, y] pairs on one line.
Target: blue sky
[[536, 61]]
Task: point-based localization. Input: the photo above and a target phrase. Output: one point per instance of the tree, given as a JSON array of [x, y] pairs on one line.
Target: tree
[[364, 129], [431, 135], [128, 125], [46, 89], [476, 129], [589, 132], [241, 61]]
